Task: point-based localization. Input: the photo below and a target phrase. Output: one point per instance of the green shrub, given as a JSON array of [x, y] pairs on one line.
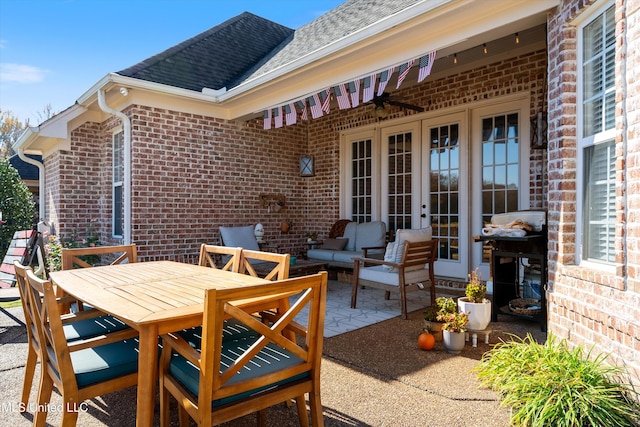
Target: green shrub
[[551, 385], [16, 204]]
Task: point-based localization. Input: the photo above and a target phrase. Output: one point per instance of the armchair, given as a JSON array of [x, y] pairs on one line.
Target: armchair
[[408, 261]]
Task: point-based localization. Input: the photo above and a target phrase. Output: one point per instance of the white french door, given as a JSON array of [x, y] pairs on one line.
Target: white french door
[[451, 172], [445, 194]]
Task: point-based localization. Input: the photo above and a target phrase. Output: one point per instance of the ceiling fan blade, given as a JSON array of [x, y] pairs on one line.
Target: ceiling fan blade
[[407, 106]]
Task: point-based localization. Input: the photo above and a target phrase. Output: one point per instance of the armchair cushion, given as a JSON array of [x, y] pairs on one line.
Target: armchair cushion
[[380, 274], [413, 235], [239, 237], [92, 327], [335, 244]]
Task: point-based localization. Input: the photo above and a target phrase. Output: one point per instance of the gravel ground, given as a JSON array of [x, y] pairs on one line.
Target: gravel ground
[[374, 376]]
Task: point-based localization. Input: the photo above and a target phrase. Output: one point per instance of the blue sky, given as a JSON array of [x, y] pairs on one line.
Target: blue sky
[[52, 51]]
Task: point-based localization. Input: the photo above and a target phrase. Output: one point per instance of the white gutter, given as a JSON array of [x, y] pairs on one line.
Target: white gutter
[[41, 176], [126, 124]]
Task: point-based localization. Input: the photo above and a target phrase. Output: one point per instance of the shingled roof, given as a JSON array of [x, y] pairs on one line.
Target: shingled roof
[[248, 46], [214, 58], [346, 19]]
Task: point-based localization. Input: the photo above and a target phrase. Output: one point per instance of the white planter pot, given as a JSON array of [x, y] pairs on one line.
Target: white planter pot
[[453, 341], [479, 313]]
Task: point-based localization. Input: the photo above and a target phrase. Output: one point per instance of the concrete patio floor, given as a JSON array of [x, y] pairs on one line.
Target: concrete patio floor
[[373, 373]]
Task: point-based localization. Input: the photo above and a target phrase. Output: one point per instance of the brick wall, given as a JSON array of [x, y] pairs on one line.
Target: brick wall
[[191, 173], [589, 306]]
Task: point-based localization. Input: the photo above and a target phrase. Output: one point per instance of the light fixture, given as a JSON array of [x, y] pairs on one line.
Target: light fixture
[[517, 38], [381, 112], [455, 58], [124, 91], [484, 48]]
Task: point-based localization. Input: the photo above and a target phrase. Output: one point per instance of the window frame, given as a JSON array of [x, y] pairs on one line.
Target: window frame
[[583, 143], [115, 184]]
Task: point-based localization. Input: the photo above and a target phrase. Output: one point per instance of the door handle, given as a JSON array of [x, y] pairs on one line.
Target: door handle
[[423, 215]]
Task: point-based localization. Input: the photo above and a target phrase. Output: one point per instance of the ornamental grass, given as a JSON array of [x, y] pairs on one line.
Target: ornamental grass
[[552, 385]]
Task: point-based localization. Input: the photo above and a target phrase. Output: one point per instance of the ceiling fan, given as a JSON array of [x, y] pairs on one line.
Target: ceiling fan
[[385, 98]]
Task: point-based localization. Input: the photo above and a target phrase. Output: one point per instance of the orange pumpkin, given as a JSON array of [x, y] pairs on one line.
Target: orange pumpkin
[[426, 341]]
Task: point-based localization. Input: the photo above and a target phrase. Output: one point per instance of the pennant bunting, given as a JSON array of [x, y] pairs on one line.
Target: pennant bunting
[[326, 100], [403, 71], [302, 104], [291, 114], [385, 76], [368, 87], [425, 64], [342, 96], [315, 105], [354, 89], [277, 117], [267, 118]]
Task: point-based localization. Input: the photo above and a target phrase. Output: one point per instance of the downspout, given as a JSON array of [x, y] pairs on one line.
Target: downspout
[[126, 124], [41, 179]]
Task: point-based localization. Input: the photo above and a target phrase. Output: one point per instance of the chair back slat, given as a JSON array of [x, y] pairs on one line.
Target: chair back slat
[[268, 265], [420, 253], [213, 255], [72, 257]]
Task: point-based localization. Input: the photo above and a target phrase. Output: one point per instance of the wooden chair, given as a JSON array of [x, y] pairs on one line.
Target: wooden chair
[[268, 265], [76, 326], [214, 384], [414, 267], [210, 254], [72, 258], [80, 369]]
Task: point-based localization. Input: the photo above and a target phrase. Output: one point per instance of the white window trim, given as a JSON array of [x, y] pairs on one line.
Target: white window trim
[[346, 171], [582, 142]]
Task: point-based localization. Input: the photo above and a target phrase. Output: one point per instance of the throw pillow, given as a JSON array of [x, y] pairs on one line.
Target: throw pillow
[[334, 244], [393, 253]]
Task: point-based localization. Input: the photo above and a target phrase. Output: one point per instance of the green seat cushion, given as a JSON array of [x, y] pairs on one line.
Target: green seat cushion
[[88, 328], [270, 359], [232, 329], [105, 362]]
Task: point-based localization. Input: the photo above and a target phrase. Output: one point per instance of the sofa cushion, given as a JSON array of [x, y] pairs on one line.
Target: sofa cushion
[[346, 256], [334, 244], [350, 234], [379, 274], [321, 254], [239, 237], [370, 234]]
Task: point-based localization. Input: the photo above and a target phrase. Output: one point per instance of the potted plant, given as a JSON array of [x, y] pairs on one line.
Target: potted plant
[[311, 236], [453, 331], [475, 303], [443, 305]]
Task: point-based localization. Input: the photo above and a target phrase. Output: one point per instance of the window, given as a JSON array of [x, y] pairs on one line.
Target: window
[[118, 177], [361, 180], [596, 143]]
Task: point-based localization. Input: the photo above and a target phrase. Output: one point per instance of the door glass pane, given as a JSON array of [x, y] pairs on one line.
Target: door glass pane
[[361, 181], [501, 167], [445, 171], [399, 155]]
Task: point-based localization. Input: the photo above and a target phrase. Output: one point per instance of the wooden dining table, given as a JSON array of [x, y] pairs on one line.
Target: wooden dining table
[[155, 298]]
